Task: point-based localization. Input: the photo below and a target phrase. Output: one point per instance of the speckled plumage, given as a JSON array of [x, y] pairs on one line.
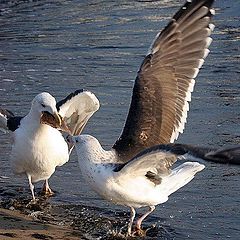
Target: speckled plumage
[[131, 186]]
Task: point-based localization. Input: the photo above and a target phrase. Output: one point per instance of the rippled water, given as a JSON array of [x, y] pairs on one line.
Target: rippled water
[[59, 46]]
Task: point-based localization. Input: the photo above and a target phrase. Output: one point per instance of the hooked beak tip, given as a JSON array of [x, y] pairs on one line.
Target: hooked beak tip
[[58, 118]]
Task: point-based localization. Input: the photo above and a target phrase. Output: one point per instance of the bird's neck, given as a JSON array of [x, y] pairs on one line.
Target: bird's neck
[[32, 120], [96, 154], [34, 115]]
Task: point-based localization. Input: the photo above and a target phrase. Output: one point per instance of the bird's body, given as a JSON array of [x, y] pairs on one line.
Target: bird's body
[[38, 149], [144, 181], [130, 190], [38, 143]]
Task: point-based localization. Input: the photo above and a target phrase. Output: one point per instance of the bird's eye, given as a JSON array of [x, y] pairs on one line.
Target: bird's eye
[[43, 105]]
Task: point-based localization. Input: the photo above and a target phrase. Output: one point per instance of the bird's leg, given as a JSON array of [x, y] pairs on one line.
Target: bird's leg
[[31, 187], [46, 190], [138, 230], [132, 216]]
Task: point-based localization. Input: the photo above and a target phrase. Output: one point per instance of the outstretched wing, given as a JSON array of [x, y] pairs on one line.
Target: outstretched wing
[[229, 155], [8, 122], [164, 83], [186, 152], [76, 109]]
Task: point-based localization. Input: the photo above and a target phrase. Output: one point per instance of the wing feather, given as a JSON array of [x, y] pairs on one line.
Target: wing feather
[[165, 80], [152, 163], [77, 108], [8, 122]]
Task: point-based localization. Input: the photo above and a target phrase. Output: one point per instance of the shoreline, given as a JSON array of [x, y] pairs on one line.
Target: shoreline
[[21, 219], [16, 225]]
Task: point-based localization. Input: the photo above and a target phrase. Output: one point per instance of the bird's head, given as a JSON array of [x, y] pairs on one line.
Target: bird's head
[[45, 105], [83, 139], [86, 142]]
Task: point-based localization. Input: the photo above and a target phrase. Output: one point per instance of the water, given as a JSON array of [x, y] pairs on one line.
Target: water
[[60, 46]]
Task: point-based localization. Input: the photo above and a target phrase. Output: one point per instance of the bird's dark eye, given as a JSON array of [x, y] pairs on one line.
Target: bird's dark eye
[[43, 105]]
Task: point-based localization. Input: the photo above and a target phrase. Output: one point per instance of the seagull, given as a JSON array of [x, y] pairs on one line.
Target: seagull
[[137, 171], [147, 179], [144, 181], [39, 145]]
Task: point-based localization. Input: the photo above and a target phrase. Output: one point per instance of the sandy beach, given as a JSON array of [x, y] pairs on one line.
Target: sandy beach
[[15, 225], [20, 218], [45, 219]]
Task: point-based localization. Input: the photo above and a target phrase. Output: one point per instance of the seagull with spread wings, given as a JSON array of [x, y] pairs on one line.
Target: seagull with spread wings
[[137, 171], [38, 144]]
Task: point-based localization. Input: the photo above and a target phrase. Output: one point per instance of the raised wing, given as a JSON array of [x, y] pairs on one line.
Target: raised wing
[[76, 109], [8, 122], [164, 83]]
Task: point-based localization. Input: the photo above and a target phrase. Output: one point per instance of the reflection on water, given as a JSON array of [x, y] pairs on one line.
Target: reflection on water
[[59, 46]]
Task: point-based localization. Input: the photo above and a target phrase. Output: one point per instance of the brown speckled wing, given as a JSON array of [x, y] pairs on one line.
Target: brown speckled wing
[[164, 83]]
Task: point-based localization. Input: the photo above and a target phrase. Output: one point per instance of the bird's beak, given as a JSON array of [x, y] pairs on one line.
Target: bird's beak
[[58, 119], [60, 123], [70, 139], [54, 120]]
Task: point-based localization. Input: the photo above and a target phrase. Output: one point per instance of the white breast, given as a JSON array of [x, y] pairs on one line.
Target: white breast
[[38, 150]]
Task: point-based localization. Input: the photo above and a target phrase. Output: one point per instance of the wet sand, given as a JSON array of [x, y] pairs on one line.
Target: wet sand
[[20, 218], [15, 225]]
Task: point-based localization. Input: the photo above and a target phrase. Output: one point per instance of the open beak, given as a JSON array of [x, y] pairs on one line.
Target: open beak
[[60, 123], [54, 120], [58, 119]]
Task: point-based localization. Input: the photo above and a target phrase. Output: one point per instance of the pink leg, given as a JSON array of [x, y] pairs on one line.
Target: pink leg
[[46, 190], [139, 221], [31, 187], [132, 216]]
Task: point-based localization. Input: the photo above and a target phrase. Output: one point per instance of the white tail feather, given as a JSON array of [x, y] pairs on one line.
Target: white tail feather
[[182, 175]]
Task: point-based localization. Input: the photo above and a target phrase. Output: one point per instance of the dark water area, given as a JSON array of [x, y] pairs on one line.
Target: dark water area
[[60, 46]]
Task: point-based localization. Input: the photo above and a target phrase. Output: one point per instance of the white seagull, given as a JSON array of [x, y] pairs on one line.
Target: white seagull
[[38, 145], [158, 111]]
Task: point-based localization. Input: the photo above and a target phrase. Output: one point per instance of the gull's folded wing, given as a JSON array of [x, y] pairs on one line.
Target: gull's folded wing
[[8, 122], [151, 163]]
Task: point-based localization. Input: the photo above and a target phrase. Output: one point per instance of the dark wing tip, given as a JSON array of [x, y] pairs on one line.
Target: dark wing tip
[[193, 5], [229, 155], [8, 121], [69, 97], [13, 123], [7, 113]]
